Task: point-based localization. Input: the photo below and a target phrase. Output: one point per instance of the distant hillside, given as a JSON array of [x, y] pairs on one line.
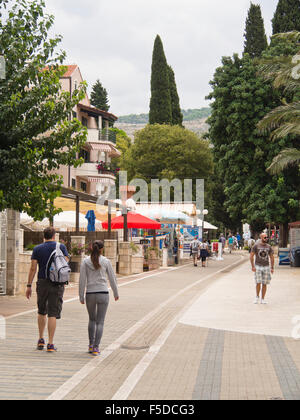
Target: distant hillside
[[188, 115]]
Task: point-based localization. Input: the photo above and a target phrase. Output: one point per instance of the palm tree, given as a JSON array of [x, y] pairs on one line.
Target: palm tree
[[285, 119]]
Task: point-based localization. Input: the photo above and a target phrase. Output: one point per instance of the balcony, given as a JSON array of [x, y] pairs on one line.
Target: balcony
[[95, 135], [92, 169]]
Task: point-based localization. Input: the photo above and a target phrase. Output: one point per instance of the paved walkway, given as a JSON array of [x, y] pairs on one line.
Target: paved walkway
[[177, 334]]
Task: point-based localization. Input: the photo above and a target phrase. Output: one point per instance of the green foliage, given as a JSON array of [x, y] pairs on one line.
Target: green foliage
[[123, 143], [188, 115], [36, 135], [160, 102], [242, 154], [99, 97], [283, 121], [196, 114], [287, 16], [169, 152], [134, 119], [255, 35], [176, 111]]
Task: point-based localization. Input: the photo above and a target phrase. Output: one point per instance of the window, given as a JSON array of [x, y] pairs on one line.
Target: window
[[73, 183], [84, 121], [83, 186]]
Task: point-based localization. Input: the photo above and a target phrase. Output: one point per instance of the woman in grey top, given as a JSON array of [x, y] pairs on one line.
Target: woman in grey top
[[93, 291]]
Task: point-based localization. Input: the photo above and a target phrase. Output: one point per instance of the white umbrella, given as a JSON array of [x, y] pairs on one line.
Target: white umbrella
[[63, 220], [206, 225]]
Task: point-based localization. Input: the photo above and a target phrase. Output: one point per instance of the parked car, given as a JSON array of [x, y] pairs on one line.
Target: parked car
[[295, 257]]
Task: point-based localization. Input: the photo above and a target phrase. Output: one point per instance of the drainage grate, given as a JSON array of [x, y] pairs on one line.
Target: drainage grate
[[135, 347]]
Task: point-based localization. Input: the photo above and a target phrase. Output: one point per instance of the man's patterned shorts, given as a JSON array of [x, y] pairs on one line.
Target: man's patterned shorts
[[262, 275]]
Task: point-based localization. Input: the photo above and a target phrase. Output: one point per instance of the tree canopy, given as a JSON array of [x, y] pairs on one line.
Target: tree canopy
[[37, 135], [99, 97], [287, 16], [241, 100], [169, 152], [255, 35], [160, 102], [177, 116]]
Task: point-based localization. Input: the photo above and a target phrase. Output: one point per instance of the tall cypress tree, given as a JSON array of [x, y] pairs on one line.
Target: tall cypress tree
[[287, 16], [177, 116], [255, 35], [160, 102]]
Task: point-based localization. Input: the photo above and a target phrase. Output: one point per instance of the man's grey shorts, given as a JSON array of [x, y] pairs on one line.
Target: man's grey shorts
[[49, 298], [262, 275]]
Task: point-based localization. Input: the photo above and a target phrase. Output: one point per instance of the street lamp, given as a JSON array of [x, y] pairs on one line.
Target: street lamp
[[204, 213]]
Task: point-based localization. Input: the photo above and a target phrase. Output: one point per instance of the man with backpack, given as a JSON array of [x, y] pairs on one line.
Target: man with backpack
[[50, 288]]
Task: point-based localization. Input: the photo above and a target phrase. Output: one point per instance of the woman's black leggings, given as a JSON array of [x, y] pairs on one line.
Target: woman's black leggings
[[97, 304]]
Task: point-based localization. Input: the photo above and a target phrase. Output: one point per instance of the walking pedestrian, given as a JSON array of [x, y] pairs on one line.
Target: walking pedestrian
[[222, 240], [194, 247], [49, 295], [204, 252], [238, 240], [230, 243], [93, 291], [251, 243], [263, 254]]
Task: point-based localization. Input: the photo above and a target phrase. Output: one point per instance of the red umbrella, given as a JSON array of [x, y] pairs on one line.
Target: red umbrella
[[134, 220]]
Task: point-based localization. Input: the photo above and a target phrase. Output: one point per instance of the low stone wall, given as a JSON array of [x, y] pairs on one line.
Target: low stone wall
[[137, 264], [125, 259], [24, 267], [111, 252]]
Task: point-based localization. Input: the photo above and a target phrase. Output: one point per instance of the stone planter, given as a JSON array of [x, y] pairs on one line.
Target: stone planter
[[75, 264], [137, 264], [153, 263]]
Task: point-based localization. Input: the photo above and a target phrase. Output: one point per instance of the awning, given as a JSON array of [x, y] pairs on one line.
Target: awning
[[107, 181], [134, 220], [100, 147]]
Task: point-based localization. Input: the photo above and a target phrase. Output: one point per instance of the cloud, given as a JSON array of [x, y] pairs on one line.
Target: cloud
[[113, 41]]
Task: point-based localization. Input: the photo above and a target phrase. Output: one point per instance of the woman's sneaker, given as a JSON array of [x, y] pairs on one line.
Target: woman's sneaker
[[95, 351], [51, 348], [90, 349], [40, 344]]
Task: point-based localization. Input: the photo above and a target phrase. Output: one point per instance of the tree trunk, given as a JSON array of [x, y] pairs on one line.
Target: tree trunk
[[284, 235]]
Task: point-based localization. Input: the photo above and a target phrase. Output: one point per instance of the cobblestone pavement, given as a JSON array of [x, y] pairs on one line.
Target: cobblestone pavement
[[175, 334]]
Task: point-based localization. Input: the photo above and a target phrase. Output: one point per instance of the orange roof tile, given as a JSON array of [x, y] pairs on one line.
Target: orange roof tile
[[70, 70]]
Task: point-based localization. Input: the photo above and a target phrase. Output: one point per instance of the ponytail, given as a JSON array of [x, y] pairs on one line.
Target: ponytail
[[96, 252]]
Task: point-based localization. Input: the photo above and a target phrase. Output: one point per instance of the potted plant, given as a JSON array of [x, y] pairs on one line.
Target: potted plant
[[153, 258]]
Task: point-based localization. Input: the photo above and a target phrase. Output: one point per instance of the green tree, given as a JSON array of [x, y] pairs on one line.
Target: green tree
[[284, 120], [160, 102], [169, 152], [255, 35], [99, 97], [287, 16], [177, 116], [241, 100], [36, 133], [123, 144]]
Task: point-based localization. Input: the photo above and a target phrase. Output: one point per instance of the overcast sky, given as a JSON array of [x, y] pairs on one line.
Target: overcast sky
[[113, 41]]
